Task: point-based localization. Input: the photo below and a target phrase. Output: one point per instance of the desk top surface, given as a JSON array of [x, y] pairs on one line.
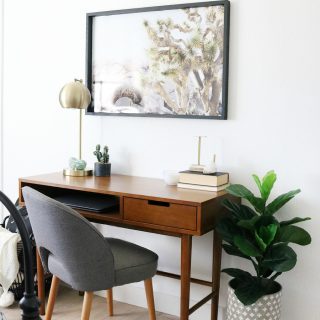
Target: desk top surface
[[124, 185]]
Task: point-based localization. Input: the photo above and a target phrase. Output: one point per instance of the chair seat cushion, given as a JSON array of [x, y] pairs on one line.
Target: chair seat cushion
[[132, 263]]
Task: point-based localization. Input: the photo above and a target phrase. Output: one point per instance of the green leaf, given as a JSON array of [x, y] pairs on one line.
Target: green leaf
[[258, 203], [265, 221], [249, 292], [234, 251], [267, 233], [293, 234], [260, 242], [246, 247], [237, 273], [227, 229], [266, 272], [247, 212], [293, 221], [280, 258], [280, 201], [239, 211], [246, 224], [249, 224], [231, 206], [267, 184], [239, 190], [258, 182], [252, 289]]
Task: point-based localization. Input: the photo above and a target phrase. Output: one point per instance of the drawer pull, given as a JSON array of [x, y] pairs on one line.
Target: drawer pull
[[158, 203]]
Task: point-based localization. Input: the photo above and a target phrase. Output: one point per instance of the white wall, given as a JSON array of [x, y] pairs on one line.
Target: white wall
[[1, 96], [273, 123]]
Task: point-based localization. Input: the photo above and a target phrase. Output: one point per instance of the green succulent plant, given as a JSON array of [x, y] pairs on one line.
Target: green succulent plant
[[102, 157], [254, 233]]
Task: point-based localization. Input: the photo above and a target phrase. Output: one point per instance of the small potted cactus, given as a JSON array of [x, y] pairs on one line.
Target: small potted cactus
[[102, 168]]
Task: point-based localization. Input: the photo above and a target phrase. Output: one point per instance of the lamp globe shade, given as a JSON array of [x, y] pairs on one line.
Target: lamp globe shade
[[75, 95]]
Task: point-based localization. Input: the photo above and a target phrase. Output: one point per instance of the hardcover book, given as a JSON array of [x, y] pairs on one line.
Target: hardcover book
[[211, 179], [201, 187]]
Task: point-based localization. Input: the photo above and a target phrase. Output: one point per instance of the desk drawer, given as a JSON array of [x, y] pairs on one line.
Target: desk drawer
[[160, 213]]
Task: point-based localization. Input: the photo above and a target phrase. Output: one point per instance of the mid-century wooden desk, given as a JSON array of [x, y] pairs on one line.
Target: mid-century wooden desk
[[149, 205]]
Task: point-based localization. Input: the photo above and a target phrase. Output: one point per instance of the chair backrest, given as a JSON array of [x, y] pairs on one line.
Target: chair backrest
[[77, 250]]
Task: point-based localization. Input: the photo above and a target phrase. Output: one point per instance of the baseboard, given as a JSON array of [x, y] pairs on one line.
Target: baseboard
[[166, 302]]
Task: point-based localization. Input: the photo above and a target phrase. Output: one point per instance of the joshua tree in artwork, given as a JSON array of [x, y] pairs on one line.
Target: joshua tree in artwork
[[186, 61]]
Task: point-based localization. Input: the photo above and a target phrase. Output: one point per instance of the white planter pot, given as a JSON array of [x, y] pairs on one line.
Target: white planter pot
[[266, 308]]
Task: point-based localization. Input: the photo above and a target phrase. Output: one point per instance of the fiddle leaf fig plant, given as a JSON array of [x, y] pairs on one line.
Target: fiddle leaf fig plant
[[255, 233]]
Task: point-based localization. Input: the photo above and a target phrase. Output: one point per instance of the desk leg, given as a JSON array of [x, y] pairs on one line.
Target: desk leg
[[216, 270], [186, 248], [41, 289]]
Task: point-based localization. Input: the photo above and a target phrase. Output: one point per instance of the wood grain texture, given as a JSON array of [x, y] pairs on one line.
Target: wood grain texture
[[189, 212], [87, 303], [52, 297], [150, 298], [110, 302], [186, 248], [216, 270], [144, 188], [171, 215]]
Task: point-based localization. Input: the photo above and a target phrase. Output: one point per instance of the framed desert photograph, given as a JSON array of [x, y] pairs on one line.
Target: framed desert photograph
[[168, 61]]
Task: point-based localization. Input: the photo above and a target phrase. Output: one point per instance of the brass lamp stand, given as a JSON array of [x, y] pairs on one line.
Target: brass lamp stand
[[75, 95]]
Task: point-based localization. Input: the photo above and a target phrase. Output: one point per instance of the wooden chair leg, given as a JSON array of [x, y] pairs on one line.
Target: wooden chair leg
[[110, 302], [86, 307], [52, 297], [150, 299]]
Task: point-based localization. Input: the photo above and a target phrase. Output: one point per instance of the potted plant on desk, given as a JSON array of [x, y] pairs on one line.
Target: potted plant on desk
[[102, 168], [257, 235]]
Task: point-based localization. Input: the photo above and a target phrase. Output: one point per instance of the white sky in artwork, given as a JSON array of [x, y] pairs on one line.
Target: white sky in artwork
[[125, 36]]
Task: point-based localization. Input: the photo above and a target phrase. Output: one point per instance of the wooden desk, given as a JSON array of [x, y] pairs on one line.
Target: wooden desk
[[149, 205]]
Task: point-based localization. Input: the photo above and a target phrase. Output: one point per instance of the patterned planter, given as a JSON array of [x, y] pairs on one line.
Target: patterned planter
[[266, 308]]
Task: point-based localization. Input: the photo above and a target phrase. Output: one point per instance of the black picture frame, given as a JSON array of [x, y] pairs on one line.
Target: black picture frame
[[225, 71]]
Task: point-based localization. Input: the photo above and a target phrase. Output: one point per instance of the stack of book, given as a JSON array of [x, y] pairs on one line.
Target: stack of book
[[208, 182]]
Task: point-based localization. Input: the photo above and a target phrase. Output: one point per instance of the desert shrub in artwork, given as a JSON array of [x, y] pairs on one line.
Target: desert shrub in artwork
[[186, 61], [163, 62]]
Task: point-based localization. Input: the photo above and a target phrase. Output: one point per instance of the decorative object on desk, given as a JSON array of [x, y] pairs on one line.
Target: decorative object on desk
[[198, 167], [171, 177], [75, 95], [177, 65], [76, 164], [202, 187], [211, 168], [102, 168], [254, 233], [216, 181]]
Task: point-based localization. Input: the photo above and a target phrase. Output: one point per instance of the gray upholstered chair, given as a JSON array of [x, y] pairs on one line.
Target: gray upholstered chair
[[73, 250]]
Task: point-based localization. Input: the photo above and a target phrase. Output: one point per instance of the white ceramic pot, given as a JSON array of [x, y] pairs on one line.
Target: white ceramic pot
[[266, 308]]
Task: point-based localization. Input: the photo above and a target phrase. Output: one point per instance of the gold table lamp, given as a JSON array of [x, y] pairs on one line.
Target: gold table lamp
[[75, 95]]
